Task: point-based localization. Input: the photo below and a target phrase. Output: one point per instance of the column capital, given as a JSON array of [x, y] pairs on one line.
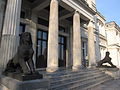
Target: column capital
[[91, 23], [55, 0], [76, 12]]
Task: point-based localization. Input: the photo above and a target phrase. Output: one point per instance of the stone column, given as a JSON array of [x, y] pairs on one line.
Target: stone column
[[52, 58], [10, 33], [76, 42], [91, 45]]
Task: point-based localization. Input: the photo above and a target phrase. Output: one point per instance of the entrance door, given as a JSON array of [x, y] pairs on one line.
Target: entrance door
[[41, 61], [84, 54], [62, 51]]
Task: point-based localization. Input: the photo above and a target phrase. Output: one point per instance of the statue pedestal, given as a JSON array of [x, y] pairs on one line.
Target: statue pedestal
[[113, 72], [8, 83], [21, 77]]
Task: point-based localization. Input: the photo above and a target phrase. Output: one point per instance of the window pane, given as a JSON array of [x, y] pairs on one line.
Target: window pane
[[22, 15], [43, 46], [61, 29], [59, 52], [39, 34], [45, 35], [39, 48], [43, 22], [62, 40], [59, 39], [21, 28], [62, 52]]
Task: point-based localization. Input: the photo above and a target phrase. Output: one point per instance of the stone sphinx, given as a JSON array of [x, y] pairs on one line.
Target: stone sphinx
[[106, 59], [22, 63]]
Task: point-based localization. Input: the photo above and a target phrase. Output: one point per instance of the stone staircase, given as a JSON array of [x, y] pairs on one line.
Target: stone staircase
[[76, 80]]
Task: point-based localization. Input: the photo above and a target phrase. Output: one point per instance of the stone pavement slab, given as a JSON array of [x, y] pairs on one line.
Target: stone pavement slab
[[111, 85]]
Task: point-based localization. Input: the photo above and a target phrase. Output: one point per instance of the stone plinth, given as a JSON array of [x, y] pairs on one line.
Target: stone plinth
[[21, 77], [113, 72], [8, 83]]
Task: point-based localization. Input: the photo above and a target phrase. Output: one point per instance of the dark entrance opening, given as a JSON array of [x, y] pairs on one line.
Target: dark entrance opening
[[62, 51], [21, 28], [41, 61], [84, 54]]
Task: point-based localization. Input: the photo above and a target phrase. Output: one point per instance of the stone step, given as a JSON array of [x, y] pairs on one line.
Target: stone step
[[89, 84], [78, 81], [81, 85], [69, 71], [72, 75], [79, 76], [97, 83], [67, 75]]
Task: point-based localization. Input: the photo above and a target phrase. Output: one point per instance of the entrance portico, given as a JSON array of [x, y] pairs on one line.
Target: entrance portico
[[56, 19]]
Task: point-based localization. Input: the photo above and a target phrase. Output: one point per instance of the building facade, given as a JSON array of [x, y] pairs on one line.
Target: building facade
[[113, 41], [62, 29], [65, 33], [102, 35]]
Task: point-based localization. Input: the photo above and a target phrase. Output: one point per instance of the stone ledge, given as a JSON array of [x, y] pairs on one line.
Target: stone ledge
[[13, 84], [109, 69], [113, 72]]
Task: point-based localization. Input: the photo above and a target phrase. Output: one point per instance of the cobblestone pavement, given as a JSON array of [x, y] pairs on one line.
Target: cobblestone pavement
[[111, 85]]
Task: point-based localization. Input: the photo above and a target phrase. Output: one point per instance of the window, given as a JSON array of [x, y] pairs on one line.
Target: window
[[61, 29], [22, 15], [41, 42], [62, 49], [41, 52], [84, 54], [21, 28], [43, 22]]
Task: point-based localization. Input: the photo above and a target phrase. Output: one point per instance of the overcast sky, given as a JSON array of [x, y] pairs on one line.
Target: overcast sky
[[110, 9]]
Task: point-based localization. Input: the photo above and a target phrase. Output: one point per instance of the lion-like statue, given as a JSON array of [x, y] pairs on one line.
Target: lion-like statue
[[24, 55], [106, 59]]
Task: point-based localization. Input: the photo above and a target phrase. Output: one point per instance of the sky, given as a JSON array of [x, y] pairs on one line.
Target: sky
[[110, 9]]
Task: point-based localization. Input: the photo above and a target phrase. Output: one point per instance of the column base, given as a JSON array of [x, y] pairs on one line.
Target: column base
[[75, 68], [92, 66], [51, 69]]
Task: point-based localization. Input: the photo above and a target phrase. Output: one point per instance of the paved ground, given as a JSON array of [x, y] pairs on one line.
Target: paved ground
[[111, 85]]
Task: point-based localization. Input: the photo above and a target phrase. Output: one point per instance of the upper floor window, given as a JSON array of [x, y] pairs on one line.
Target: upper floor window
[[61, 29], [43, 22], [21, 28], [22, 15]]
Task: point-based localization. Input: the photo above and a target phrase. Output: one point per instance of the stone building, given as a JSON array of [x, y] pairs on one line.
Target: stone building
[[67, 35], [113, 41], [109, 36], [65, 29], [102, 35]]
